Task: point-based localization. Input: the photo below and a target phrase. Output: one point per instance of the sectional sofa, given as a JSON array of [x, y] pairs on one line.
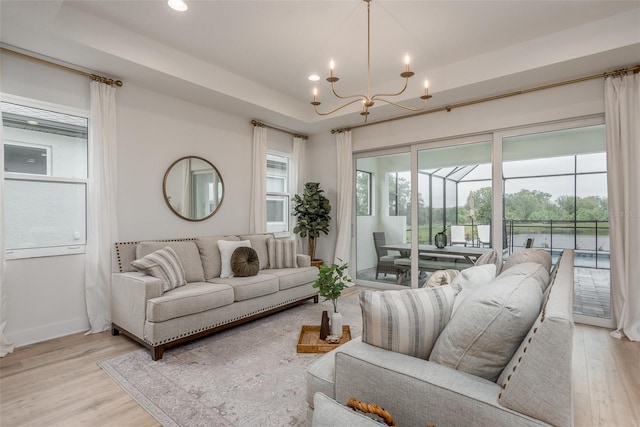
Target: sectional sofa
[[530, 387], [142, 309]]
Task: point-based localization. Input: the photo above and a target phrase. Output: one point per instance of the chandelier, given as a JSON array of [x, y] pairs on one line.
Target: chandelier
[[369, 100]]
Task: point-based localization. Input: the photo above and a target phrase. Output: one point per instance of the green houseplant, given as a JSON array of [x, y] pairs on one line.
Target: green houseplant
[[311, 210], [332, 279]]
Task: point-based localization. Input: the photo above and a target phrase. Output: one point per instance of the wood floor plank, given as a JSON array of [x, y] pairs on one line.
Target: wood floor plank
[[58, 382], [610, 404], [580, 382]]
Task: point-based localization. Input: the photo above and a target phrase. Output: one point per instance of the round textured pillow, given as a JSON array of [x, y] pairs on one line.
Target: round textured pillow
[[245, 262]]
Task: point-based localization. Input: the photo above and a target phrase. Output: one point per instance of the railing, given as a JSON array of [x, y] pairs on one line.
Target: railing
[[556, 235]]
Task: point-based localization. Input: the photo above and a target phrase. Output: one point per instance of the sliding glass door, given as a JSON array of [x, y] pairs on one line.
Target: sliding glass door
[[543, 187], [455, 193], [383, 214], [555, 198]]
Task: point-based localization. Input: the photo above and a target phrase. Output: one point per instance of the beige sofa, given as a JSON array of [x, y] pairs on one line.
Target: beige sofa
[[207, 303], [534, 389]]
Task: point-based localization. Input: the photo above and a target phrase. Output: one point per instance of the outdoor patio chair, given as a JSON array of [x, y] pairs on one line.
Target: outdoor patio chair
[[385, 261], [484, 235], [457, 235]]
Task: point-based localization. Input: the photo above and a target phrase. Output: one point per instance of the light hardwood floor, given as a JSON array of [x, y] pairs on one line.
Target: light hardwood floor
[[58, 383]]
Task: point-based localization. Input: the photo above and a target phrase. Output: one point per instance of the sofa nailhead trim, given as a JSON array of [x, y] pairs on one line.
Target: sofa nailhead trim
[[230, 320], [524, 350]]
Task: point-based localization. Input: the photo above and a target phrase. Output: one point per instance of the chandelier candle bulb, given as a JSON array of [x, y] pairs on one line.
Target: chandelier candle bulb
[[426, 91], [315, 97], [406, 62]]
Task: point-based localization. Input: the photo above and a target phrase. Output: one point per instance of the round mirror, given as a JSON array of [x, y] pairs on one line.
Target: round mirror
[[193, 188]]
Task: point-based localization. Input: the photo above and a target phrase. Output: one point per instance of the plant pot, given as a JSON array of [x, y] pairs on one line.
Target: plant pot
[[336, 324]]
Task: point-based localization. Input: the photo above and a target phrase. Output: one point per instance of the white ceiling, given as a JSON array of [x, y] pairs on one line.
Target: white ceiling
[[253, 57]]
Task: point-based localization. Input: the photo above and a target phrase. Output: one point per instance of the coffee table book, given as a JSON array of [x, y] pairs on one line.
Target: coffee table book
[[310, 342]]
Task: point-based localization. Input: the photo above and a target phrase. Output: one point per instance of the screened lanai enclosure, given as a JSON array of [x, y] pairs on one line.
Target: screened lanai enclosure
[[550, 192]]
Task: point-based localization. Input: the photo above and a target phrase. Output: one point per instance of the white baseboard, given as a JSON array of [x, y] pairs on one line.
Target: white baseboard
[[47, 332]]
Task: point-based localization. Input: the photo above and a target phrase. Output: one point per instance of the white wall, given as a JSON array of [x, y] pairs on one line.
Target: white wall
[[155, 130], [322, 167], [46, 295]]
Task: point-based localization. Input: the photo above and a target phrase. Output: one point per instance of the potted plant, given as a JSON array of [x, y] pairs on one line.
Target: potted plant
[[311, 210], [332, 279]]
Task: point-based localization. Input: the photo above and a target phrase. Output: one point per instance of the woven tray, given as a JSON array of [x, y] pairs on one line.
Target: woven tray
[[310, 342]]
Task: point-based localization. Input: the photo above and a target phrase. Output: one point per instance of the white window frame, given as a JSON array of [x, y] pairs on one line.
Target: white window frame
[[286, 224], [13, 254]]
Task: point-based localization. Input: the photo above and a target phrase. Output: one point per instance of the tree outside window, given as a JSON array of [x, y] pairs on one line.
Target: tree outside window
[[363, 193]]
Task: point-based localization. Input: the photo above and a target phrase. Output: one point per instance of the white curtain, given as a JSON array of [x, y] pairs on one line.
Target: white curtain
[[258, 207], [622, 117], [298, 178], [101, 206], [345, 197], [6, 347]]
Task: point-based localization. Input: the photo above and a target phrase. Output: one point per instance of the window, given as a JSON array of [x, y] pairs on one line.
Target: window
[[363, 193], [277, 192], [45, 167], [555, 191], [400, 194]]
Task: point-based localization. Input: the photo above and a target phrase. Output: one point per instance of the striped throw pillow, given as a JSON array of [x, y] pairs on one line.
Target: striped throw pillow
[[165, 265], [406, 321], [282, 253]]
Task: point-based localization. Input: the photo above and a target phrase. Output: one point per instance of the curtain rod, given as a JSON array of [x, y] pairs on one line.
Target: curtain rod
[[635, 69], [257, 123], [95, 77]]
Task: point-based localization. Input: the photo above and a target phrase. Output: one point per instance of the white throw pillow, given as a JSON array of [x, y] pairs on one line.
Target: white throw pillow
[[226, 251], [470, 280], [406, 321], [539, 271], [540, 256], [489, 326], [165, 265]]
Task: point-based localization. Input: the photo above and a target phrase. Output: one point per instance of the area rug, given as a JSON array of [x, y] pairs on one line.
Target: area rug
[[250, 375]]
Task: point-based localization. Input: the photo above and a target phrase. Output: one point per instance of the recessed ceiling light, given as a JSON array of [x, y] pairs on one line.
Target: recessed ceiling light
[[178, 5], [314, 77], [32, 122]]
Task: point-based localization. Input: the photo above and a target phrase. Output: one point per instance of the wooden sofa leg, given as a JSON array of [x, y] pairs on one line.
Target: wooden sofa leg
[[157, 352], [114, 331], [316, 299]]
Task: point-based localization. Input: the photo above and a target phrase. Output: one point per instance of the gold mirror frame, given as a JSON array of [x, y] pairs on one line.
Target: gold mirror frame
[[177, 180]]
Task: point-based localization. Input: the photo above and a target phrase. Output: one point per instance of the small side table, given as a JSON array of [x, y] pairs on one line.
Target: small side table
[[310, 342]]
